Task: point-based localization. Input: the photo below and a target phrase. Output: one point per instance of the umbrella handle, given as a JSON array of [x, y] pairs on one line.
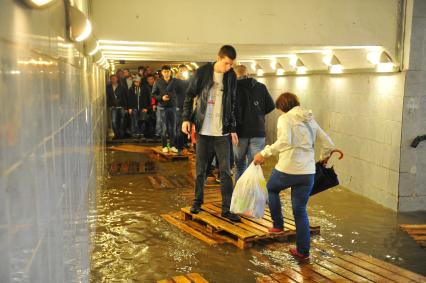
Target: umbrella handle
[[324, 162]]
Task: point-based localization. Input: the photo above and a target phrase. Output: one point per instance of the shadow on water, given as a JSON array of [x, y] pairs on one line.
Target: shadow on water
[[132, 243]]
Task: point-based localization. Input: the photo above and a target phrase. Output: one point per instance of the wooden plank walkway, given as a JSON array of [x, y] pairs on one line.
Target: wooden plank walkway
[[417, 232], [170, 156], [354, 267], [131, 148], [188, 278], [131, 167], [218, 229]]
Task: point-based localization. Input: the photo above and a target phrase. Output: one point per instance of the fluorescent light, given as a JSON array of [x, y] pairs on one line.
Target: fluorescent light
[[336, 69], [93, 52], [124, 48], [331, 60], [374, 57], [38, 3], [253, 65], [385, 67], [259, 70], [79, 26], [274, 64], [280, 71], [301, 70], [195, 65], [293, 61], [86, 32]]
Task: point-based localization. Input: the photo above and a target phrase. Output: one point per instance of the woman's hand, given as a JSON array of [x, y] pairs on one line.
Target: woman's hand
[[258, 159]]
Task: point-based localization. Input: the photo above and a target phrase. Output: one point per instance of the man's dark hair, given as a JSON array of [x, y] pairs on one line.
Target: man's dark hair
[[182, 66], [110, 77], [141, 68], [227, 51], [287, 101], [166, 67], [150, 75], [126, 70]]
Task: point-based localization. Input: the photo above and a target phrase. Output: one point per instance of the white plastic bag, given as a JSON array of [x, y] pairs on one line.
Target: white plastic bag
[[250, 194]]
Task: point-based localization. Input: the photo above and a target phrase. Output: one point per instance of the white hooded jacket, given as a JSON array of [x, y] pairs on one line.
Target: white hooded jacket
[[297, 132]]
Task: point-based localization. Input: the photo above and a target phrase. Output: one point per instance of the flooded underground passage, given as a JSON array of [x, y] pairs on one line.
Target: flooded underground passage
[[187, 141]]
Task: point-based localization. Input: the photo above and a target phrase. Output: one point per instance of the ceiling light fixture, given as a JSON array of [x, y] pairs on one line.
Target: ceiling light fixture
[[79, 27], [279, 69], [38, 3], [259, 70]]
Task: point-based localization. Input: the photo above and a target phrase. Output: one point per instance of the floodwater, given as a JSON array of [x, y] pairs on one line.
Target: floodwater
[[132, 243]]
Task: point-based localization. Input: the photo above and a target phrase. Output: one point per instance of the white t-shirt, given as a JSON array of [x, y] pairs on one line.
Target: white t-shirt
[[212, 125]]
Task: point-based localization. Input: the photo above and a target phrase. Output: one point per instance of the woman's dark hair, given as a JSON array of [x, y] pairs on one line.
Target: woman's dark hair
[[228, 51], [286, 101]]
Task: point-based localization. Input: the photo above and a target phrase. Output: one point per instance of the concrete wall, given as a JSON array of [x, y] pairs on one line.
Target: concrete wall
[[412, 193], [287, 22], [362, 113], [51, 120]]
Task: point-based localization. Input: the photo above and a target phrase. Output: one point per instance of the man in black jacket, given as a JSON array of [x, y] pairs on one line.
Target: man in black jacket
[[253, 103], [214, 87], [165, 95], [182, 84], [117, 103], [139, 103]]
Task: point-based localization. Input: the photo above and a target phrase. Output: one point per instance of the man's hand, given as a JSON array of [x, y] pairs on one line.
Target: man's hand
[[234, 137], [258, 159], [130, 111], [186, 127], [166, 98], [144, 110]]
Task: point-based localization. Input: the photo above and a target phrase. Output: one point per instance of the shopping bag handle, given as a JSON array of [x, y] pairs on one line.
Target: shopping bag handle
[[331, 153]]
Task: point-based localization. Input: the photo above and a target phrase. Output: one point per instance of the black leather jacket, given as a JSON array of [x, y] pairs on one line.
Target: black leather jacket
[[199, 88]]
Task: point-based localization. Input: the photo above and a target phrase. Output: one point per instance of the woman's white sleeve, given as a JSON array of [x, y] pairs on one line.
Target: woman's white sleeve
[[327, 144], [283, 139]]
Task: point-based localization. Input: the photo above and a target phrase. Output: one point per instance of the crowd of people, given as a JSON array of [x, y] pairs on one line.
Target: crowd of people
[[226, 110], [147, 104]]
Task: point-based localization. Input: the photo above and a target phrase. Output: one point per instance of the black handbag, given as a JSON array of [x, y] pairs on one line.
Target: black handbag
[[325, 178]]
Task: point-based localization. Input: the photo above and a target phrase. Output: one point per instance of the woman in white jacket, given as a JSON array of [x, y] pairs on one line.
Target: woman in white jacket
[[296, 134]]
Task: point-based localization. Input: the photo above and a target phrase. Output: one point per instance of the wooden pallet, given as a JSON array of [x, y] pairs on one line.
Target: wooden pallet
[[212, 225], [417, 232], [133, 141], [355, 267], [188, 278], [169, 156], [131, 167], [131, 148]]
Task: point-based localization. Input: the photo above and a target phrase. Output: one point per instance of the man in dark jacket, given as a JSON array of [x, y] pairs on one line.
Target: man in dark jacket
[[139, 104], [165, 95], [253, 103], [117, 103], [182, 84], [214, 87]]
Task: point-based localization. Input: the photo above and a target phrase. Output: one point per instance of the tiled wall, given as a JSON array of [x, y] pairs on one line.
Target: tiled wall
[[51, 129], [412, 193], [362, 113]]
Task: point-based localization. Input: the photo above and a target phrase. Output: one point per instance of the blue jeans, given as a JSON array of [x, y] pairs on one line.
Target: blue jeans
[[244, 153], [137, 126], [207, 146], [301, 186], [118, 115], [158, 120], [167, 120], [179, 135]]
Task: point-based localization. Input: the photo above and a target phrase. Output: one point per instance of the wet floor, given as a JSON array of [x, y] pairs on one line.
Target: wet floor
[[132, 243]]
